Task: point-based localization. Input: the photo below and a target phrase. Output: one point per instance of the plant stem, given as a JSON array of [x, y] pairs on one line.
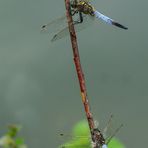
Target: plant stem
[[79, 70]]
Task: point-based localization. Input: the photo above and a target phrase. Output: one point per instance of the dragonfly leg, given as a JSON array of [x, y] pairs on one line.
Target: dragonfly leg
[[73, 12], [80, 19]]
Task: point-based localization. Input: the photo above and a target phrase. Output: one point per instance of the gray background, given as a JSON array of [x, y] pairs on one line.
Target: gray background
[[38, 83]]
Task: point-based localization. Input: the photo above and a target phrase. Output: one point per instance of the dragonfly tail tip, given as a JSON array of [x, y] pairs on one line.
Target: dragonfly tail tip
[[119, 25]]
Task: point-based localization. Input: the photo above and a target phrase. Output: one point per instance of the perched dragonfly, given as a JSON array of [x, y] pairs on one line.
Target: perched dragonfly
[[83, 13], [84, 139]]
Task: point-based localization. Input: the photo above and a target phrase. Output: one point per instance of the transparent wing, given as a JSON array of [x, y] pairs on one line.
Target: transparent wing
[[87, 20], [80, 141], [108, 128], [54, 25], [69, 136], [108, 20], [114, 133], [75, 146]]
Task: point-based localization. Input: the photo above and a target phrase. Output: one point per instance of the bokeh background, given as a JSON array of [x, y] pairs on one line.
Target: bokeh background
[[38, 84]]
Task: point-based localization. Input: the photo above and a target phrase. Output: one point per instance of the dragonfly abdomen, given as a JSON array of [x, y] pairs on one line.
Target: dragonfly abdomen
[[108, 20]]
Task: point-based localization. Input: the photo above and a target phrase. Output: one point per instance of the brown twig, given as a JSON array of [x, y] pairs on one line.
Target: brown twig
[[79, 70]]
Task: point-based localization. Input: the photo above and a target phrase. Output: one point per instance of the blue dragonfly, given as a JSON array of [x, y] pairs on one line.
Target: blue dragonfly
[[83, 14]]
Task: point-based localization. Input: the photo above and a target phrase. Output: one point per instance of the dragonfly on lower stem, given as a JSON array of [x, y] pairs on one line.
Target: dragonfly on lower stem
[[84, 141], [83, 13], [81, 137]]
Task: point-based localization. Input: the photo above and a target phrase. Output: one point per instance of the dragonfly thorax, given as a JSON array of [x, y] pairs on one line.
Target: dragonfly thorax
[[98, 137], [83, 6]]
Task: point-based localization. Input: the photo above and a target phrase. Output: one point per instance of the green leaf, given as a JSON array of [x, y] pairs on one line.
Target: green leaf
[[81, 129], [13, 130], [115, 143], [19, 141]]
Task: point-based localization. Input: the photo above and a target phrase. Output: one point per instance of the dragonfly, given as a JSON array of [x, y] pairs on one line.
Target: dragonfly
[[83, 14], [84, 139]]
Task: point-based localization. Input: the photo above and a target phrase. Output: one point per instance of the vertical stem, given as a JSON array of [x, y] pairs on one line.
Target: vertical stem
[[79, 70]]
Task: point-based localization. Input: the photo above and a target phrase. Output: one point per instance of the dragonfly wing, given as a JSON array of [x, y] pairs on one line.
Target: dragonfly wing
[[76, 146], [63, 33], [54, 25], [81, 141], [87, 20], [108, 20]]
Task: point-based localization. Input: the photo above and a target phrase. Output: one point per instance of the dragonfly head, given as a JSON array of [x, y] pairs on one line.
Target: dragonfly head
[[83, 6]]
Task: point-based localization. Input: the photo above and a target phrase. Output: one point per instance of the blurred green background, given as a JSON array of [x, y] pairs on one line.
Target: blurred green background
[[38, 83]]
